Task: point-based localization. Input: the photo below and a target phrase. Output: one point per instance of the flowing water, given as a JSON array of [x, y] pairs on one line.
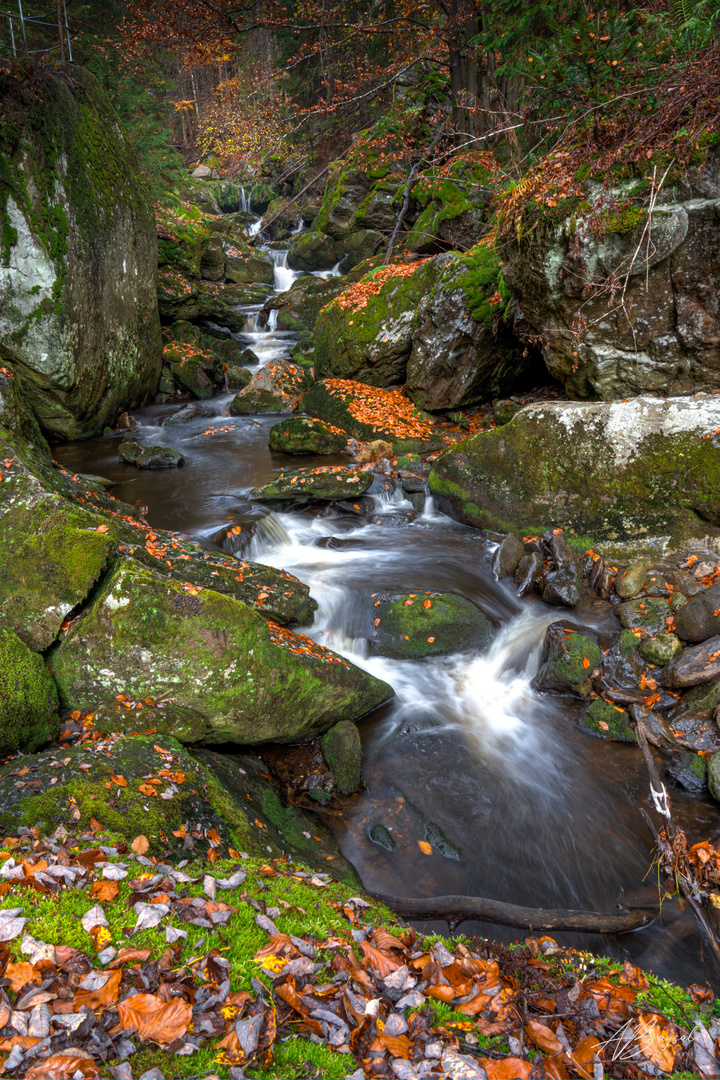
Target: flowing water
[[519, 805]]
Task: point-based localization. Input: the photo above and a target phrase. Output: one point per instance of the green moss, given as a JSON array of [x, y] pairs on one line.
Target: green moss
[[414, 625], [607, 721], [28, 697], [624, 221], [482, 282]]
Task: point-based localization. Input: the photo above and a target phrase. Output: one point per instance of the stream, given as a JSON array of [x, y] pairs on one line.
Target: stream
[[518, 804]]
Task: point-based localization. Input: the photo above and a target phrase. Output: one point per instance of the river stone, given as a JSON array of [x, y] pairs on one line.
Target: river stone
[[360, 507], [342, 750], [313, 251], [324, 484], [658, 731], [412, 625], [607, 721], [504, 410], [368, 413], [149, 457], [698, 664], [276, 387], [190, 412], [660, 649], [690, 771], [630, 582], [78, 300], [507, 557], [713, 775], [611, 471], [394, 519], [569, 658], [382, 836], [238, 377], [529, 570], [222, 672], [650, 613], [699, 703], [699, 618], [28, 698], [304, 435], [51, 554], [299, 306]]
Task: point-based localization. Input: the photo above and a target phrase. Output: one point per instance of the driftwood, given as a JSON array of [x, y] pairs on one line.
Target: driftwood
[[456, 909]]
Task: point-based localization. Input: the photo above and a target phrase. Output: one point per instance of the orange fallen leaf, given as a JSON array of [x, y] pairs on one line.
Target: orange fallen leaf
[[586, 662], [21, 974], [140, 844], [152, 1018], [510, 1068], [425, 847], [63, 1066], [105, 890], [103, 995], [427, 603]]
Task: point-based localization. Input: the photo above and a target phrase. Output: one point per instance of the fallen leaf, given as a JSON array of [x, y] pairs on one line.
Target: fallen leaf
[[119, 780], [657, 1041], [98, 990], [161, 1021], [543, 1037], [509, 1068], [63, 1066], [21, 974], [104, 891], [425, 847], [140, 844]]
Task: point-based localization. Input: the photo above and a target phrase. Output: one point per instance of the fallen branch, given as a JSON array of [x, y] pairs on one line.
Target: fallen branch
[[456, 909]]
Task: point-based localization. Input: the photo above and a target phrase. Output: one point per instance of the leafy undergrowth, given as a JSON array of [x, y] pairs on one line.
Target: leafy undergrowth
[[357, 295], [114, 964], [383, 410]]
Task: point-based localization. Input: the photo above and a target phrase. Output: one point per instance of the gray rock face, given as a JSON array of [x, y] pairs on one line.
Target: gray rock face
[[313, 251], [699, 664], [673, 344], [699, 619], [456, 360], [78, 288], [615, 470], [508, 556]]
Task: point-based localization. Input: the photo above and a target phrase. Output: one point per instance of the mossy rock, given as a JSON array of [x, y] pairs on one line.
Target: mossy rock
[[149, 457], [215, 669], [17, 416], [276, 387], [341, 402], [660, 649], [568, 660], [713, 775], [614, 471], [324, 484], [238, 377], [28, 697], [690, 771], [303, 435], [192, 236], [299, 307], [177, 296], [342, 750], [648, 613], [248, 267], [313, 251], [51, 554], [413, 625], [366, 332], [78, 304], [504, 410], [607, 721]]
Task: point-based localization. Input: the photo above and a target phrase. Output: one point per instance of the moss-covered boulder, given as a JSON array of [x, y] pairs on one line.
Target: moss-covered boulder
[[342, 750], [218, 303], [313, 251], [299, 307], [359, 246], [607, 721], [661, 648], [78, 307], [649, 613], [463, 348], [214, 670], [690, 771], [323, 484], [569, 659], [191, 368], [303, 435], [17, 417], [453, 206], [212, 264], [245, 266], [345, 190], [149, 457], [408, 626], [276, 387], [615, 471], [51, 554], [713, 775], [177, 295], [366, 332], [28, 697], [184, 237], [369, 413]]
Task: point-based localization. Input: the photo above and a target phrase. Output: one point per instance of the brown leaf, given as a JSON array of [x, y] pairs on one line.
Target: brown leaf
[[21, 974], [104, 995], [129, 956], [161, 1021], [63, 1066], [657, 1041], [555, 1068], [378, 961], [583, 1056], [384, 940], [140, 844], [510, 1068], [543, 1037], [399, 1046], [105, 890]]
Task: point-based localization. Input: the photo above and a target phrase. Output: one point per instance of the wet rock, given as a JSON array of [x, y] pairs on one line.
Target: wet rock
[[212, 264], [413, 485], [441, 844], [28, 698], [650, 613], [382, 836], [149, 457], [507, 557], [277, 387], [313, 251], [342, 751], [299, 307], [304, 435], [658, 731], [360, 507], [246, 266], [238, 377], [368, 413], [631, 581], [713, 775], [324, 484], [568, 661], [504, 410], [190, 412], [412, 625], [529, 570], [699, 618], [698, 664], [660, 649], [359, 246], [689, 771], [698, 704], [616, 470], [607, 721], [561, 586], [394, 519], [145, 636], [373, 451]]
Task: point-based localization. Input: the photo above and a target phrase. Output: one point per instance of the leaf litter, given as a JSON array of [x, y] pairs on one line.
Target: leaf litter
[[378, 994]]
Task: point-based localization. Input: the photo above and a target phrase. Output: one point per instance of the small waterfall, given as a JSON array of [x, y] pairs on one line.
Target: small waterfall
[[242, 200], [254, 228], [284, 276], [272, 319], [274, 529]]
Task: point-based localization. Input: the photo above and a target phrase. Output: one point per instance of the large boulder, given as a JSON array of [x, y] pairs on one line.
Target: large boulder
[[244, 265], [463, 349], [78, 306], [324, 484], [214, 670], [313, 251], [299, 307], [276, 387], [412, 625], [370, 413], [605, 471], [345, 190], [28, 697], [454, 206], [366, 332], [303, 435], [661, 332]]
